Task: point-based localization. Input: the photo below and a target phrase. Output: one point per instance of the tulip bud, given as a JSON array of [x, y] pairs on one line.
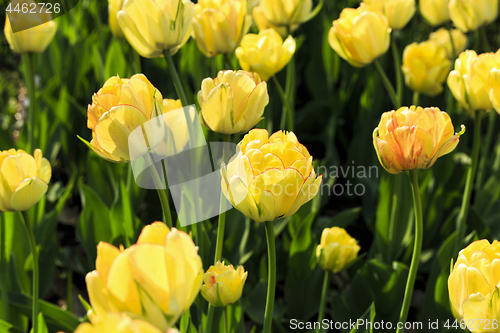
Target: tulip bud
[[35, 30], [152, 27], [263, 24], [425, 67], [441, 37], [113, 7], [265, 53], [336, 250], [397, 12], [233, 102], [435, 12], [23, 179], [269, 177], [286, 13], [218, 26], [223, 284], [413, 138], [473, 286], [468, 15], [360, 36]]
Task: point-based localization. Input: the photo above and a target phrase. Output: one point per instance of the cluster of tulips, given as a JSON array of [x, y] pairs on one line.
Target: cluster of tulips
[[148, 286]]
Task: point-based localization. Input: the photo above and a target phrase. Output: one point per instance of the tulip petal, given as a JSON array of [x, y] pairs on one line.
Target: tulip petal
[[154, 233], [28, 193], [121, 283], [106, 254]]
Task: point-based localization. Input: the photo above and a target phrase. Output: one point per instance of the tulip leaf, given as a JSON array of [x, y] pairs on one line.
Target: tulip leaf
[[115, 63], [41, 326], [365, 321]]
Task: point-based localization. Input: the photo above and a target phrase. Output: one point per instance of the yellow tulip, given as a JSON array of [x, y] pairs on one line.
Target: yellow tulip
[[397, 12], [468, 15], [263, 24], [413, 138], [233, 102], [116, 323], [473, 286], [425, 67], [494, 88], [435, 12], [360, 36], [152, 27], [269, 177], [156, 280], [23, 179], [219, 25], [223, 284], [286, 13], [442, 38], [468, 80], [336, 250], [113, 7], [265, 53], [34, 31]]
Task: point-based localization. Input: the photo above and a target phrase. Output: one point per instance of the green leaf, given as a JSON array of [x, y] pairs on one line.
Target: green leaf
[[116, 63], [367, 317], [41, 326]]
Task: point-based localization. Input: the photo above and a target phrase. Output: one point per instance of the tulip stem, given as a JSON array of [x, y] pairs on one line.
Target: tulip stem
[[322, 304], [222, 215], [416, 98], [288, 112], [397, 68], [34, 255], [229, 61], [417, 247], [486, 148], [226, 322], [290, 92], [175, 77], [454, 55], [210, 319], [387, 84], [162, 193], [469, 184], [30, 82], [271, 280], [3, 270], [486, 44]]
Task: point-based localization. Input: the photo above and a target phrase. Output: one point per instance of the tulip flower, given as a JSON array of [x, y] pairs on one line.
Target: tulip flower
[[413, 138], [286, 13], [34, 32], [218, 26], [397, 12], [468, 15], [360, 36], [265, 53], [116, 323], [336, 250], [468, 80], [425, 67], [263, 24], [269, 177], [435, 12], [23, 179], [233, 102], [494, 88], [156, 280], [223, 284], [441, 37], [473, 286], [152, 27], [113, 7]]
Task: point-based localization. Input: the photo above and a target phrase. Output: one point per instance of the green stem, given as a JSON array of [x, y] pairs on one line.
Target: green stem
[[137, 61], [34, 255], [175, 77], [210, 319], [30, 82], [322, 304], [226, 322], [486, 148], [229, 61], [290, 92], [288, 112], [486, 44], [3, 270], [416, 98], [417, 247], [469, 184], [454, 55], [271, 280], [387, 84], [397, 68], [162, 193], [222, 216]]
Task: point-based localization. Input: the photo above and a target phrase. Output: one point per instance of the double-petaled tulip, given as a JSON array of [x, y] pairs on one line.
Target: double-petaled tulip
[[336, 250], [286, 13], [413, 138], [156, 280], [263, 24], [153, 27], [468, 80], [34, 31], [218, 26], [473, 286], [360, 35], [435, 12], [468, 15], [223, 284], [233, 102], [441, 37], [23, 179], [269, 177], [116, 323], [425, 67], [397, 12], [265, 53], [113, 7]]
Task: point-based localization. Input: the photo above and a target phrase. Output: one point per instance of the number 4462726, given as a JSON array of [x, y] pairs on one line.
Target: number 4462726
[[32, 8]]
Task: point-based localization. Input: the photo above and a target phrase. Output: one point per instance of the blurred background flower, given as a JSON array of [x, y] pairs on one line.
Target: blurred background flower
[[397, 12], [336, 250], [222, 284]]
